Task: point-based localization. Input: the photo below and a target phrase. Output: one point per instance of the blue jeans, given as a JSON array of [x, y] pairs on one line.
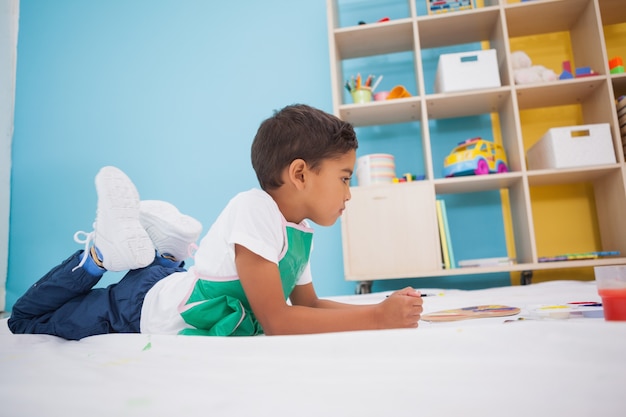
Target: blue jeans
[[64, 303]]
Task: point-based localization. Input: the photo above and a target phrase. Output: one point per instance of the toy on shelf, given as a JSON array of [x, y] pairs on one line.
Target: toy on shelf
[[616, 65], [384, 19], [525, 72], [475, 156], [399, 91], [577, 73], [408, 177], [445, 6]]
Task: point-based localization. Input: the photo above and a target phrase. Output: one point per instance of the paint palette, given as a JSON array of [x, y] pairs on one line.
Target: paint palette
[[474, 312]]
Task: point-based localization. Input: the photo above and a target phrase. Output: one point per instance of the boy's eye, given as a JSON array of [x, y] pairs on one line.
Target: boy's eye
[[346, 180]]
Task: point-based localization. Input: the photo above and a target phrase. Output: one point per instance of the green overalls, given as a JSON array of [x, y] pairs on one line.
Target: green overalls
[[217, 308]]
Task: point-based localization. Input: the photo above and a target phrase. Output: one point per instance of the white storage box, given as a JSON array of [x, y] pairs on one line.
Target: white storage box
[[467, 71], [572, 146]]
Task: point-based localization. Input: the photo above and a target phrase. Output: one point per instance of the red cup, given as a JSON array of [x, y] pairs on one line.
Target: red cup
[[611, 283], [614, 304]]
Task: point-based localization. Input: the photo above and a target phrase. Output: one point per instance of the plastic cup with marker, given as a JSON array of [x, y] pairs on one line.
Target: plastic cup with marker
[[611, 283], [362, 95], [362, 91]]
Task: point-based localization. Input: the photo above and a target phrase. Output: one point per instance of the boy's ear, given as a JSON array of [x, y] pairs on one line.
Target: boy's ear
[[297, 173]]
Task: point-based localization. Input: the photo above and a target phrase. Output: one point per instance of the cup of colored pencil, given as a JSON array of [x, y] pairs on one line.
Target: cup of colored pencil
[[362, 91]]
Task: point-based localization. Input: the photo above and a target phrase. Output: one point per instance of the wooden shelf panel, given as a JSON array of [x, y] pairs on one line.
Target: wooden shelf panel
[[535, 266], [619, 84], [466, 103], [476, 102], [375, 39], [557, 93], [612, 11], [382, 112], [547, 16], [570, 175], [475, 183]]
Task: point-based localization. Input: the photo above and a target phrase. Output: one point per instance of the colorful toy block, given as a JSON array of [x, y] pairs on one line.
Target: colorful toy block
[[577, 73], [616, 65]]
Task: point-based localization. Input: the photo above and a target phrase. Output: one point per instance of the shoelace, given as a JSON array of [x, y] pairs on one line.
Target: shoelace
[[87, 238]]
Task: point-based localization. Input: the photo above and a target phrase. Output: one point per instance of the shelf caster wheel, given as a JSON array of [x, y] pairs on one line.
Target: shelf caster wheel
[[363, 287], [526, 278]]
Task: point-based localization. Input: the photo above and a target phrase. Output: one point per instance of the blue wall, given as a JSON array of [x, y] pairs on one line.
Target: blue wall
[[170, 91]]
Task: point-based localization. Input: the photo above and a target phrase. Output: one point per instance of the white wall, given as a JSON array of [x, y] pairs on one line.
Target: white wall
[[9, 11]]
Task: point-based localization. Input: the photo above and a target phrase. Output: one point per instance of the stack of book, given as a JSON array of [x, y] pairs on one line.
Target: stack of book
[[444, 236], [621, 115], [486, 262], [447, 252]]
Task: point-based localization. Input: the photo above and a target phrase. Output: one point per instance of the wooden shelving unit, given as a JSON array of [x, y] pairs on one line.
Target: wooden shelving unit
[[497, 23]]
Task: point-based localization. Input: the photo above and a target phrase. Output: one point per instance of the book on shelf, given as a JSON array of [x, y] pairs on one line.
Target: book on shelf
[[578, 256], [444, 235], [482, 262]]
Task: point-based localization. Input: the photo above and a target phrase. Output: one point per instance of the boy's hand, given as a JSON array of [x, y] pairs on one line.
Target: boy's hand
[[401, 309]]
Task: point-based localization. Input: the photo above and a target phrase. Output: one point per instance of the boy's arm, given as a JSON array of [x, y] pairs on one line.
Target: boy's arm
[[260, 279], [304, 295]]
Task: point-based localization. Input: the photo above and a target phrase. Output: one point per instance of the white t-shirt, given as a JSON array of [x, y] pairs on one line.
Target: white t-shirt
[[251, 219]]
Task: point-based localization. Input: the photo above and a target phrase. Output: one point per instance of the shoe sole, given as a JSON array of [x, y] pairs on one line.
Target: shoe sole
[[126, 245]]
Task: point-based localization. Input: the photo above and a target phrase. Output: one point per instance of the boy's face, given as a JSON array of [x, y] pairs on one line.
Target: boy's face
[[329, 189]]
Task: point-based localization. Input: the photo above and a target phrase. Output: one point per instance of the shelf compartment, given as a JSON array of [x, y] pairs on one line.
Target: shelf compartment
[[567, 103], [557, 93], [466, 31], [534, 23], [531, 18], [395, 69], [466, 103], [402, 140], [612, 11], [476, 224], [615, 39], [447, 29], [554, 233], [475, 183], [488, 114], [375, 39], [599, 200], [619, 84], [570, 175], [349, 13]]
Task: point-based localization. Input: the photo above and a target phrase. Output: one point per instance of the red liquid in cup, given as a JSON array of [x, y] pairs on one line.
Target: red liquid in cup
[[614, 303]]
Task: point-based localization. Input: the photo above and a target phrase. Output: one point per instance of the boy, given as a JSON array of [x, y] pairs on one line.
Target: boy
[[254, 257]]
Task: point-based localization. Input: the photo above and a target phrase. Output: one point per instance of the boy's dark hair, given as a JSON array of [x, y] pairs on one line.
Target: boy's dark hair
[[298, 132]]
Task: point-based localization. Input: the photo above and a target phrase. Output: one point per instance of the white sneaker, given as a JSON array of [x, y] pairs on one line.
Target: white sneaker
[[172, 232], [118, 234]]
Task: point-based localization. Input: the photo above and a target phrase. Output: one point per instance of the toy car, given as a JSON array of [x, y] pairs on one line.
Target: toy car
[[475, 156]]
